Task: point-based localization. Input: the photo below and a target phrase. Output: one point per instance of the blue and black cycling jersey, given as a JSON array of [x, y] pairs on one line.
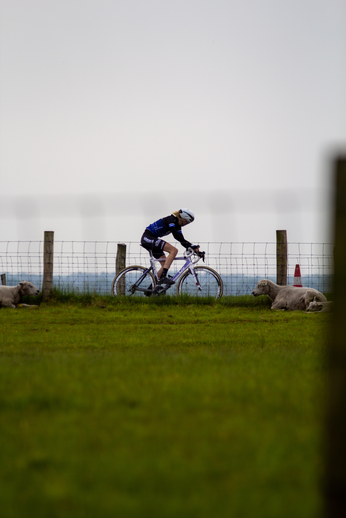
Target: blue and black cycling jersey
[[168, 225]]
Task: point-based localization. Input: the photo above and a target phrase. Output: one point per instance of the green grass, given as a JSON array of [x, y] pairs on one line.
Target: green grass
[[160, 408]]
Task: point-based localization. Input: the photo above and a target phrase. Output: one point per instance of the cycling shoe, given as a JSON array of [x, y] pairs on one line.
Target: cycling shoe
[[165, 280]]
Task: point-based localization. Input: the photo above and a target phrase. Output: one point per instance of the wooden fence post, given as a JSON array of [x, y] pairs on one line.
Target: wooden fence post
[[3, 279], [121, 258], [281, 257], [120, 265], [47, 284], [335, 474]]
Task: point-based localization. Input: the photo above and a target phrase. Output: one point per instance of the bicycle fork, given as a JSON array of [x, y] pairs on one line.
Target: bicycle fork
[[192, 271]]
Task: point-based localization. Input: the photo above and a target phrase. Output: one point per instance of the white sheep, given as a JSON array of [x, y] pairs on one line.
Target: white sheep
[[11, 296], [288, 297]]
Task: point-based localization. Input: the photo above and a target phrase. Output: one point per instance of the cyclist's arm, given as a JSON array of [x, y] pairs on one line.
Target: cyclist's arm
[[178, 235]]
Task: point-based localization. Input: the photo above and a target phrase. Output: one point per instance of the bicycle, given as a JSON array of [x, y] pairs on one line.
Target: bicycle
[[197, 281]]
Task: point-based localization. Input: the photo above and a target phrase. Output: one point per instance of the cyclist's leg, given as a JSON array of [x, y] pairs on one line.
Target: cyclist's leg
[[172, 252], [156, 246], [162, 262]]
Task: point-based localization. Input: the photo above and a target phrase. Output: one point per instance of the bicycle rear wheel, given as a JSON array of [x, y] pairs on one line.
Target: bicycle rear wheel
[[128, 282], [209, 280]]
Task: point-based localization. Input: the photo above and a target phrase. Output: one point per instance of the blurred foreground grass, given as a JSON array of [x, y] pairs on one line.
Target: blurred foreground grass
[[160, 410]]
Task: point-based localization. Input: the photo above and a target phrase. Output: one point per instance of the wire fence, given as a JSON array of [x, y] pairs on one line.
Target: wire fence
[[89, 266]]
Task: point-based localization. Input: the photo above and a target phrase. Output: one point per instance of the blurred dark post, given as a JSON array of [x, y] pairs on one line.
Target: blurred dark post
[[120, 265], [335, 481], [281, 257], [47, 284], [3, 279]]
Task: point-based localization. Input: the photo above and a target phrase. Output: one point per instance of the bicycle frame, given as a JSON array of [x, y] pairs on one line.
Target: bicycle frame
[[189, 264]]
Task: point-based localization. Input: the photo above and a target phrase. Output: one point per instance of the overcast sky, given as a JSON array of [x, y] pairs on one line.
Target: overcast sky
[[114, 113]]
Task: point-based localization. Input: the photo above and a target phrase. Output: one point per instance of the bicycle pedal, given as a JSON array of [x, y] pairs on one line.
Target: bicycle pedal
[[159, 289]]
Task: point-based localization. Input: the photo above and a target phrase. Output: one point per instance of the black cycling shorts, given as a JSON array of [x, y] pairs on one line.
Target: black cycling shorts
[[153, 243]]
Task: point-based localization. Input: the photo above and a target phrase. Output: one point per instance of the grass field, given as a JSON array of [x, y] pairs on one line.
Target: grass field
[[160, 409]]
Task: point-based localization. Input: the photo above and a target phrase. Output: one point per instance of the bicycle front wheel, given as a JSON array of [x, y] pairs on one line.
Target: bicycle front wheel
[[209, 283], [133, 281]]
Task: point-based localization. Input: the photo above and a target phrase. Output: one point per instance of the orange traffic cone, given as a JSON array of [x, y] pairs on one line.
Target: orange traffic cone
[[297, 280]]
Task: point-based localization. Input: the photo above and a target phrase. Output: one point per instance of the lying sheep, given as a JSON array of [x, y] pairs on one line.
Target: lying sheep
[[11, 296], [288, 297], [321, 307]]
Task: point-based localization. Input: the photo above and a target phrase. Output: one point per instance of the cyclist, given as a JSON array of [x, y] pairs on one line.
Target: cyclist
[[151, 239]]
